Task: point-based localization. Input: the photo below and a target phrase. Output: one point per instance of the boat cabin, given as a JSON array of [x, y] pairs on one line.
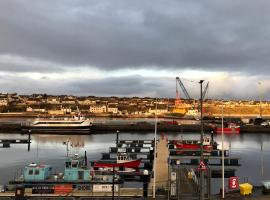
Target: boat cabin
[[206, 141], [35, 172], [76, 169], [122, 158]]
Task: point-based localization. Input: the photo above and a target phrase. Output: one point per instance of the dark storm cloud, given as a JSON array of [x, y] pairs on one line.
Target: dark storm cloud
[[130, 86], [123, 86], [209, 35]]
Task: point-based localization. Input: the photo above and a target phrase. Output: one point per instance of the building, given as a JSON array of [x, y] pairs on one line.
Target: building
[[112, 108], [98, 109]]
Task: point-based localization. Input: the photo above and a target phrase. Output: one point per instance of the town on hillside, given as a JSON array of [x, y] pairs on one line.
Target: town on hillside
[[44, 104]]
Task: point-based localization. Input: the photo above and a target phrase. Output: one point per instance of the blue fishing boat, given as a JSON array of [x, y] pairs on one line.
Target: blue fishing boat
[[39, 178]]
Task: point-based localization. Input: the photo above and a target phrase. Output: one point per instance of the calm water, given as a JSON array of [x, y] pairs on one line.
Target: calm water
[[49, 149]]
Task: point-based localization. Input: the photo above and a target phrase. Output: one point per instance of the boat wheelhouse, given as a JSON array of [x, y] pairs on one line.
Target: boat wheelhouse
[[123, 162]]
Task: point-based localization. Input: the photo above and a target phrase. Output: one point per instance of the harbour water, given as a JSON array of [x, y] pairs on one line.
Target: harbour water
[[252, 149]]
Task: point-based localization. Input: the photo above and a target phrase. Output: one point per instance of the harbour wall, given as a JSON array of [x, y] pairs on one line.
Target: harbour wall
[[147, 127]]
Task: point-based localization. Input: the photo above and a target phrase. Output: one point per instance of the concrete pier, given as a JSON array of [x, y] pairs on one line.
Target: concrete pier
[[161, 172]]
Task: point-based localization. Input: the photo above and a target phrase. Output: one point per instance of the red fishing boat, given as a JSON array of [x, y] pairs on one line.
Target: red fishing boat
[[230, 129], [194, 144], [122, 162]]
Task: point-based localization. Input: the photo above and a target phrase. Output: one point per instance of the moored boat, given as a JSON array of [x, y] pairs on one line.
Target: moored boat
[[230, 129], [195, 144], [39, 178], [122, 162], [60, 125]]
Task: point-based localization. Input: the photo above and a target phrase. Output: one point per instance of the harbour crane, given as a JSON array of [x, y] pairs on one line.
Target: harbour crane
[[183, 88], [205, 90], [180, 108], [183, 108]]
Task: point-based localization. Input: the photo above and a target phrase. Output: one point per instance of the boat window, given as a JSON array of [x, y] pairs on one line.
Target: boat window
[[68, 164], [74, 163], [40, 123], [37, 172], [30, 172]]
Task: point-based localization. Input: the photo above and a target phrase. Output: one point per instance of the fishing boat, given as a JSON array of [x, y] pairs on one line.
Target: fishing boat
[[231, 128], [123, 162], [39, 178], [60, 125], [195, 144]]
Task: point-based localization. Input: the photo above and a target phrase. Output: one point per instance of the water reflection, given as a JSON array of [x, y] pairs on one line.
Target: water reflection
[[252, 149], [74, 140]]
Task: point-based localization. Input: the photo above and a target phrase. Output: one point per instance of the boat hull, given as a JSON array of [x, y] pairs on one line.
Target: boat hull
[[57, 129], [218, 130], [183, 146], [130, 164]]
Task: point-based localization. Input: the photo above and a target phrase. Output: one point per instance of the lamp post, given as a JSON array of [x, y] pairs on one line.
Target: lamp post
[[222, 144], [201, 172], [155, 153], [117, 138]]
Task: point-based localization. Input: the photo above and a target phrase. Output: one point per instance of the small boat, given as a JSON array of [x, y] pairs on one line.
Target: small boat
[[60, 125], [122, 162], [194, 144], [232, 128]]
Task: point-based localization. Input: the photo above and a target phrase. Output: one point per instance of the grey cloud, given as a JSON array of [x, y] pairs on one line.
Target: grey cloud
[[211, 35], [135, 86]]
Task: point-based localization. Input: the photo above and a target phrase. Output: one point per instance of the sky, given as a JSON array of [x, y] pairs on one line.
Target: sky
[[135, 48]]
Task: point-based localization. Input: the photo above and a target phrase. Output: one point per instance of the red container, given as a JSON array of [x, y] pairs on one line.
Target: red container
[[63, 189]]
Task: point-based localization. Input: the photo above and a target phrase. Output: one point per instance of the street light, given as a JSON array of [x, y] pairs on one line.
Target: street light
[[201, 172], [155, 153]]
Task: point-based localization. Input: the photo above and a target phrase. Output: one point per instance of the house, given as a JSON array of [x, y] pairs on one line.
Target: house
[[160, 109], [53, 100], [3, 102], [98, 109], [40, 110], [112, 108]]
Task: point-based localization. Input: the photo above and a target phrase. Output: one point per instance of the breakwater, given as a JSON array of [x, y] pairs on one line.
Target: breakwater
[[184, 128], [143, 127]]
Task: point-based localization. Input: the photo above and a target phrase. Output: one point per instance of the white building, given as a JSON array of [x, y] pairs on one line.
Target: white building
[[113, 110], [98, 109], [3, 102]]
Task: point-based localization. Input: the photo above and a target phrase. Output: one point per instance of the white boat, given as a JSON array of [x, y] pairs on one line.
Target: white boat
[[59, 125], [193, 113]]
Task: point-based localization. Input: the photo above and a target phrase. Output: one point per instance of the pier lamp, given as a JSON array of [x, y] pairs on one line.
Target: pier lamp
[[201, 172]]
